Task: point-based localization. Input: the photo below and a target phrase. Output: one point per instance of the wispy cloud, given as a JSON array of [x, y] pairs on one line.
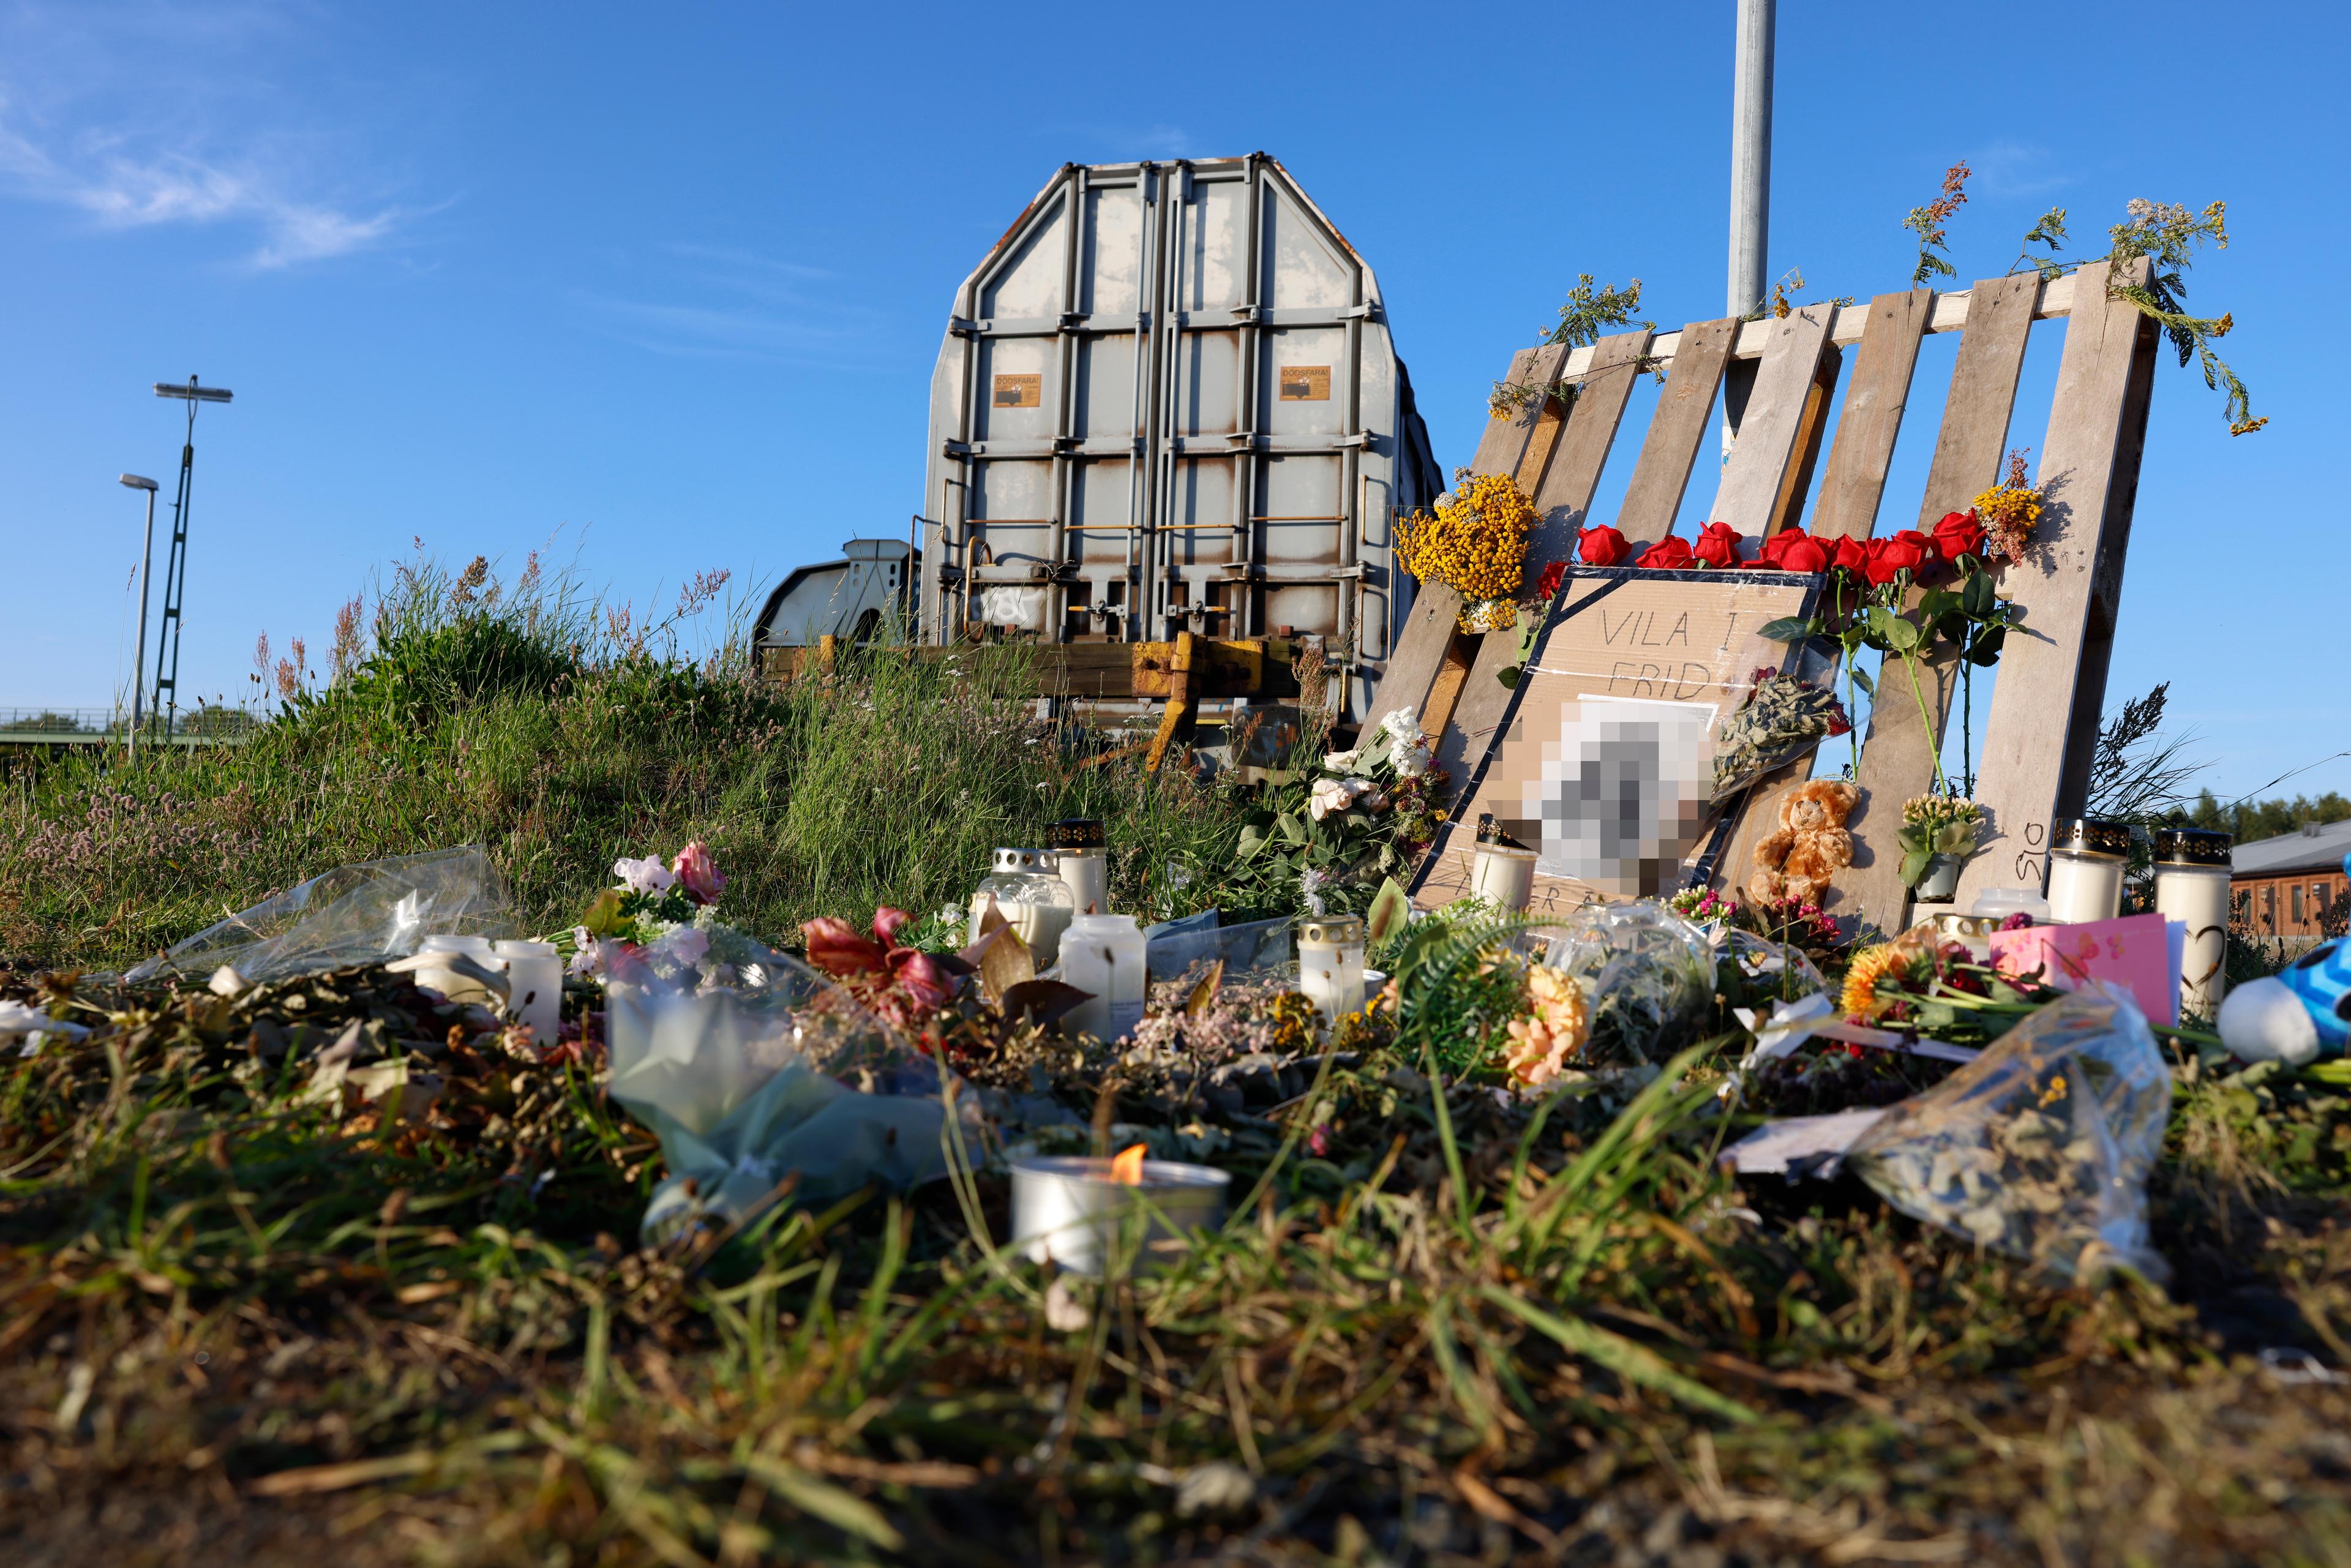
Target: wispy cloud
[[722, 302], [2018, 169], [99, 173]]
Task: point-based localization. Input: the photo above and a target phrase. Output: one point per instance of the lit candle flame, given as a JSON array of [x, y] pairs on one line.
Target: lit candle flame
[[1126, 1168]]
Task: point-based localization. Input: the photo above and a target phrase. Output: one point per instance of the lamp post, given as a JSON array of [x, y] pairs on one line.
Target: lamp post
[[176, 573], [146, 566], [1750, 190]]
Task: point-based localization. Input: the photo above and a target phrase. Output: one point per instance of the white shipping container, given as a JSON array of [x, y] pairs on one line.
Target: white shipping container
[[1168, 400]]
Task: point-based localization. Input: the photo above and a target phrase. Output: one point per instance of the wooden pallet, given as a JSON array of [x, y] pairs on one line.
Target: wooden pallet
[[2052, 677], [1179, 675]]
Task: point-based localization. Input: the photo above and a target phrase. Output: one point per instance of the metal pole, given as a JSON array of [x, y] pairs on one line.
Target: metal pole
[[1751, 185], [1751, 156], [138, 661]]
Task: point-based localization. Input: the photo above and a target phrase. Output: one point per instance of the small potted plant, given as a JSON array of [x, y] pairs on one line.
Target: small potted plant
[[1938, 836]]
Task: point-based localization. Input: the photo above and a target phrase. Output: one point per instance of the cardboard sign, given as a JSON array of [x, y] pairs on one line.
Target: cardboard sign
[[1604, 761], [2136, 952]]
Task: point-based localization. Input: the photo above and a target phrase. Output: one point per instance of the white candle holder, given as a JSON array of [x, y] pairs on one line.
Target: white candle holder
[[1072, 1211]]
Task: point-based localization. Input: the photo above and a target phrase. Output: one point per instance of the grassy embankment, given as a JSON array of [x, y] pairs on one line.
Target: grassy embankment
[[238, 1324]]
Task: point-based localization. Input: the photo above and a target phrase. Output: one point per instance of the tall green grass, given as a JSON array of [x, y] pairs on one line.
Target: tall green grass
[[560, 736]]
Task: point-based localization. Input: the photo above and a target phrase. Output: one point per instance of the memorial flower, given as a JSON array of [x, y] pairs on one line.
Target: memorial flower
[[1908, 550], [1671, 553], [1793, 549], [1718, 545], [1959, 534], [1601, 547], [696, 874]]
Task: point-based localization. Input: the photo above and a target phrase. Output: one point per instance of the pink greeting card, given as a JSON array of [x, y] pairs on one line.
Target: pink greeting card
[[2135, 952]]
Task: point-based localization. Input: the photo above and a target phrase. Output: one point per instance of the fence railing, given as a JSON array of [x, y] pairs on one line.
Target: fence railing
[[50, 726]]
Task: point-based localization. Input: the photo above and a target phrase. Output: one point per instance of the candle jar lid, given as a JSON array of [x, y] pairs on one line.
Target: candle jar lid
[[1331, 930], [1074, 833], [1017, 862], [2091, 836], [1489, 832], [2191, 846]]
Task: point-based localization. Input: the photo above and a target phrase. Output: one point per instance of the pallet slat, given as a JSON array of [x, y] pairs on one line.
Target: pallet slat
[[1551, 418], [1898, 752], [1591, 421], [1684, 417], [1871, 417], [2056, 671], [1504, 439], [1588, 434], [1750, 496]]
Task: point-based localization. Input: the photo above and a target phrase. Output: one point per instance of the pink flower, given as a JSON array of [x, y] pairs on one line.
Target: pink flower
[[696, 872], [886, 922]]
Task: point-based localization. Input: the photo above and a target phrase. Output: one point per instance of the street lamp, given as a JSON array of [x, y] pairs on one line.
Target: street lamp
[[175, 571], [146, 561]]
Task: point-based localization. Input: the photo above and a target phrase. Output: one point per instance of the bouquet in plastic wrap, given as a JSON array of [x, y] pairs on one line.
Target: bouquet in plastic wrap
[[1783, 718], [1650, 973], [773, 1083], [2041, 1147], [363, 914]]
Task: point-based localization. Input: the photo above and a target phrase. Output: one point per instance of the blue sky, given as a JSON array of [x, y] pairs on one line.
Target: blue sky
[[664, 286]]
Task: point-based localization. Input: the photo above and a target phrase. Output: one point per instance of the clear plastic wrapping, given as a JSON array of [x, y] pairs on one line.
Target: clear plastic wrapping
[[1783, 718], [777, 1076], [1648, 972], [1248, 948], [363, 914], [1776, 969], [2041, 1147]]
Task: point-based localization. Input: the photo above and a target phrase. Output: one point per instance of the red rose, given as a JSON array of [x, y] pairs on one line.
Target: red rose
[[1603, 546], [1547, 585], [1671, 553], [1959, 534], [1851, 554], [1793, 549], [1909, 549], [1718, 545]]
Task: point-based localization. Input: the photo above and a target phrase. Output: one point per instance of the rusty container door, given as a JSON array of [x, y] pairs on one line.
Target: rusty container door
[[1168, 400]]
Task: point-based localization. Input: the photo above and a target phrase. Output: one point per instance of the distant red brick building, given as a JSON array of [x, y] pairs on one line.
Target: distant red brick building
[[2288, 886]]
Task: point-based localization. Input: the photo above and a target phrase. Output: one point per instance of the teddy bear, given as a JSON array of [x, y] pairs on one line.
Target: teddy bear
[[1810, 846]]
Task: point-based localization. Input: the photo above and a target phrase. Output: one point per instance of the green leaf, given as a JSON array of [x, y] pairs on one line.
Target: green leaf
[[1861, 678], [1913, 866], [845, 1511], [1788, 629], [1289, 827], [1509, 676], [1936, 603], [1629, 1359], [1977, 595], [1957, 839], [1985, 650], [1390, 911], [1911, 838], [1901, 635]]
